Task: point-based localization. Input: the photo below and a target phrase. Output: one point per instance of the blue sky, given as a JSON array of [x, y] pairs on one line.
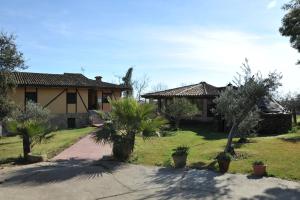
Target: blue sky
[[172, 41]]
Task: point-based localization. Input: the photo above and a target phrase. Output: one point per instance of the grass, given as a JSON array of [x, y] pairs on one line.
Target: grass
[[280, 153], [11, 147]]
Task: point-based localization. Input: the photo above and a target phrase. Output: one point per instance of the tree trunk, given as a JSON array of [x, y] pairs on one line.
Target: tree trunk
[[26, 145], [230, 137], [294, 115]]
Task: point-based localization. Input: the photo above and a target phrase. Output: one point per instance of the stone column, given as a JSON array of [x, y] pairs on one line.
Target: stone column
[[159, 105], [204, 109]]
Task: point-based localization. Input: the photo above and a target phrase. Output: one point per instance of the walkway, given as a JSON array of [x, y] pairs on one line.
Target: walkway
[[112, 180], [85, 149]]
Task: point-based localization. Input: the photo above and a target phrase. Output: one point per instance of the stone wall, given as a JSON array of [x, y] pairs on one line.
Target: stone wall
[[275, 124], [60, 121]]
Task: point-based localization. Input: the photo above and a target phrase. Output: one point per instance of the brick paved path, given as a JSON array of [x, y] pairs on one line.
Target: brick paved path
[[85, 149]]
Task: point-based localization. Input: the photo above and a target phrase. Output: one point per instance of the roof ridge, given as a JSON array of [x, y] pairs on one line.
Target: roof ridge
[[172, 88], [188, 89]]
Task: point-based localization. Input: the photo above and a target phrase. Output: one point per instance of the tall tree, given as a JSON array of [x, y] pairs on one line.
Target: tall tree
[[127, 81], [291, 23], [238, 104], [10, 60]]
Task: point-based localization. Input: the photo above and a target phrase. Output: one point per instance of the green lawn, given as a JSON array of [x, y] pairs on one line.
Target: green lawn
[[11, 147], [280, 153]]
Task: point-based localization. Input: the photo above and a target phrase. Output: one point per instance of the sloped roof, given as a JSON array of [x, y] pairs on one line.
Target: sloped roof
[[269, 105], [195, 90], [59, 80]]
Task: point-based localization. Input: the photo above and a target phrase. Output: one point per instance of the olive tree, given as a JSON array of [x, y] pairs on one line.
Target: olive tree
[[180, 108], [291, 103], [10, 60], [238, 104], [32, 124]]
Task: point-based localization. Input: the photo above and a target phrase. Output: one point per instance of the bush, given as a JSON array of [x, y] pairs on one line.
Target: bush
[[258, 162], [180, 151]]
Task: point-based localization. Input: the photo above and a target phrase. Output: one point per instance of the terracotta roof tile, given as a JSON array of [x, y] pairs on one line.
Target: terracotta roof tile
[[196, 90], [59, 80]]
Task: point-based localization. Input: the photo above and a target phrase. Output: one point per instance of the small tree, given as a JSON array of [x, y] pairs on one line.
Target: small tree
[[292, 103], [159, 87], [129, 118], [179, 109], [32, 124], [238, 104], [140, 86]]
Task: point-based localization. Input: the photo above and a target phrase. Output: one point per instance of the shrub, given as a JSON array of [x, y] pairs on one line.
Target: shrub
[[258, 162], [180, 151]]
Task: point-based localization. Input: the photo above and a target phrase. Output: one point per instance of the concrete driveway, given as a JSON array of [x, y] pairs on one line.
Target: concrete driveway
[[78, 179]]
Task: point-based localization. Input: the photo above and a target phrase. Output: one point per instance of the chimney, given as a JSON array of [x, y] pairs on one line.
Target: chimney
[[98, 78]]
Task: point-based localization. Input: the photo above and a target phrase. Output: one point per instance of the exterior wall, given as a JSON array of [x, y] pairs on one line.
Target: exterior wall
[[55, 99], [58, 104], [18, 96], [59, 121], [106, 107]]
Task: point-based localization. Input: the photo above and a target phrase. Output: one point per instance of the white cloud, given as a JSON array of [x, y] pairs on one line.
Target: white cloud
[[272, 4], [221, 52]]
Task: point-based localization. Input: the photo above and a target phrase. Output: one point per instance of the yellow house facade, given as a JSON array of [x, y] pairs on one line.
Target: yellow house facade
[[70, 97]]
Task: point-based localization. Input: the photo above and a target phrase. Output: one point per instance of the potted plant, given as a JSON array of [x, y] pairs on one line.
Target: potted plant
[[224, 161], [179, 156], [259, 168]]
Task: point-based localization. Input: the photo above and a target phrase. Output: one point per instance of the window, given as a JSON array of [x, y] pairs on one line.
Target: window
[[71, 123], [106, 97], [71, 98], [31, 96]]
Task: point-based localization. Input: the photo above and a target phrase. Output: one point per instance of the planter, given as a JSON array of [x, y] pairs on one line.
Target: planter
[[179, 160], [259, 170], [223, 165], [122, 149]]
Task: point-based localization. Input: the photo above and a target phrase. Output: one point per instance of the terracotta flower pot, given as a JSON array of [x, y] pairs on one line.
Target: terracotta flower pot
[[223, 165], [259, 170], [179, 161]]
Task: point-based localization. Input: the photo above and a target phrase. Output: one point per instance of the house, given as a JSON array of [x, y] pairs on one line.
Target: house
[[275, 118], [201, 94], [69, 96]]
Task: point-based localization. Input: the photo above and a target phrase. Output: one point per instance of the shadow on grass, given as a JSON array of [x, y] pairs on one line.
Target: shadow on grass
[[294, 139], [206, 130], [62, 170], [13, 161], [202, 165]]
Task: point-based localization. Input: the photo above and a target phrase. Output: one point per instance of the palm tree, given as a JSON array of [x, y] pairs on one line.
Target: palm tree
[[129, 118], [31, 124]]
